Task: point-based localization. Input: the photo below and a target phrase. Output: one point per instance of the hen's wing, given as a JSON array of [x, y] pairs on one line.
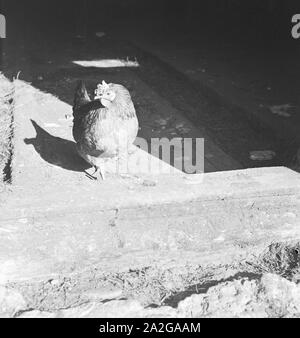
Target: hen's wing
[[83, 106]]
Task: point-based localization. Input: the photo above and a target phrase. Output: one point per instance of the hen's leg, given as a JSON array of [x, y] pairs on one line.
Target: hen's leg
[[123, 165], [102, 171]]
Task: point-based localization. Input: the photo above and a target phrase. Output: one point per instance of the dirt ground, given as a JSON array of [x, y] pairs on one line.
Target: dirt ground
[[267, 286]]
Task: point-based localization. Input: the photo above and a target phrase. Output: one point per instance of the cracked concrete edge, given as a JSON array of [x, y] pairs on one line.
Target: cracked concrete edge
[[61, 197], [160, 229]]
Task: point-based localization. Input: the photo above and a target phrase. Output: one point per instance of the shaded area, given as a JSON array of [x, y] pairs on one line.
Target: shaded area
[[202, 288], [56, 151]]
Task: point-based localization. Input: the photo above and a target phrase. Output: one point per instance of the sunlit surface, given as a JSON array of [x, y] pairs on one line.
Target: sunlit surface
[[107, 63]]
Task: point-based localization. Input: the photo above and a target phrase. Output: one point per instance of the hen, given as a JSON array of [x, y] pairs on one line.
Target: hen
[[104, 127]]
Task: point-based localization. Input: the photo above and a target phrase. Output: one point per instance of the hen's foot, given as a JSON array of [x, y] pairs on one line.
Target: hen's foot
[[94, 175], [90, 173]]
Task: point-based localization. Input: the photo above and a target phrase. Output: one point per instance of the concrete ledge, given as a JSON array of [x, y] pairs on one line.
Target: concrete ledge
[[191, 218]]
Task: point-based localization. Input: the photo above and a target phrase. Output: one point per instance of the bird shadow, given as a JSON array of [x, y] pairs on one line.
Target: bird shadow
[[55, 150]]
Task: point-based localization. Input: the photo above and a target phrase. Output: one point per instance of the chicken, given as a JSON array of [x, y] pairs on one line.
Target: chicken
[[105, 127]]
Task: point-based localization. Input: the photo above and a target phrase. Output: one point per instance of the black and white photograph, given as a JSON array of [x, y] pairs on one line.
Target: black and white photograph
[[149, 162]]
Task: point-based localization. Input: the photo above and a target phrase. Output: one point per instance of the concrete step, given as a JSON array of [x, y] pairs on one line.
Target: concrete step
[[59, 228]]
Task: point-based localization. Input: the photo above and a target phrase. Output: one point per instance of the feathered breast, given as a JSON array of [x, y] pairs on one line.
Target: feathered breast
[[100, 131]]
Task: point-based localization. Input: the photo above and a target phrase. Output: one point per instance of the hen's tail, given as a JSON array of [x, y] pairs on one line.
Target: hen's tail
[[81, 96]]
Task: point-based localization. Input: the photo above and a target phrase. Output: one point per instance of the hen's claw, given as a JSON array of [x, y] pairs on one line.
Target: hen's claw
[[92, 176]]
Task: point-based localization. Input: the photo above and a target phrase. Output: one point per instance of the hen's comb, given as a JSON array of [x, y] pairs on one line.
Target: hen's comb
[[101, 88]]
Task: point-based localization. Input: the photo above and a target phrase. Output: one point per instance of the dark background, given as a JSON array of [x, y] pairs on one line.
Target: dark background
[[255, 19]]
